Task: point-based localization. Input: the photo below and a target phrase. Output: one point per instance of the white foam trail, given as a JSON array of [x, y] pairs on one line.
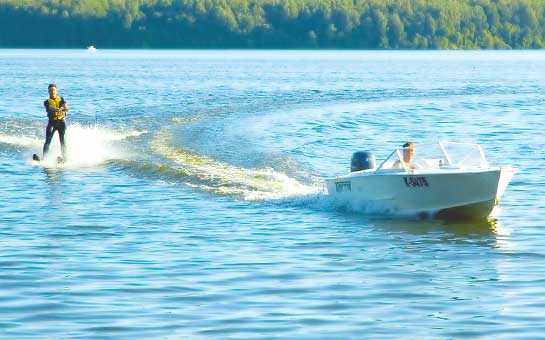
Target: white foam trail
[[86, 145], [226, 179], [93, 145]]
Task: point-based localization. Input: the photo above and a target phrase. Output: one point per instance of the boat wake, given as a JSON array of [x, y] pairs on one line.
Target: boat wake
[[228, 180]]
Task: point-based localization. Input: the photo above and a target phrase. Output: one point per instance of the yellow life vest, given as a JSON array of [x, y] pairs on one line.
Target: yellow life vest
[[56, 104]]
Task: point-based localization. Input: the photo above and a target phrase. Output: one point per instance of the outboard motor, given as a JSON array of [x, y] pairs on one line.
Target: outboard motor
[[362, 160]]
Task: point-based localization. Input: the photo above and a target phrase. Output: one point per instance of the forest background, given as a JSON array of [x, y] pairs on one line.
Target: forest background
[[294, 24]]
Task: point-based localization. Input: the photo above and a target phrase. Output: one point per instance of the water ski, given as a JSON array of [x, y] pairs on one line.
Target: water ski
[[36, 158]]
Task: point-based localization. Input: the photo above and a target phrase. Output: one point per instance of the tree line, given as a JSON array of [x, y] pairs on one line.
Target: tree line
[[355, 24]]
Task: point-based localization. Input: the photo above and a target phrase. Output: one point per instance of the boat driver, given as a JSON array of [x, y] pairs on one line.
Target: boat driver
[[408, 155]]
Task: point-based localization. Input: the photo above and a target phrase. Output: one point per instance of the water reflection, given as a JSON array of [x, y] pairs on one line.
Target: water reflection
[[54, 178], [477, 228], [53, 175], [483, 232]]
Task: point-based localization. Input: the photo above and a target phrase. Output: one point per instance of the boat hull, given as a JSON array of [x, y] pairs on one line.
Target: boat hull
[[446, 194], [468, 211]]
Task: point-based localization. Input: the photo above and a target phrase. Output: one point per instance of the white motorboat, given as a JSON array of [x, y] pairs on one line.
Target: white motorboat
[[449, 180]]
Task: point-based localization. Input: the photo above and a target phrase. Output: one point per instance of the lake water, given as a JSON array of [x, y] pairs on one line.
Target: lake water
[[192, 204]]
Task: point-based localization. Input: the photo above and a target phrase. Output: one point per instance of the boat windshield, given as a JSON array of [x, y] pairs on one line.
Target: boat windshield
[[441, 155], [464, 155]]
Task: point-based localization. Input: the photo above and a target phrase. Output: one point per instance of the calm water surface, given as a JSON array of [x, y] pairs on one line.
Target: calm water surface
[[192, 205]]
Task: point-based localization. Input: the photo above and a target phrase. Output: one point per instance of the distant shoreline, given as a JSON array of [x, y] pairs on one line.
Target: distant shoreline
[[274, 24], [269, 49]]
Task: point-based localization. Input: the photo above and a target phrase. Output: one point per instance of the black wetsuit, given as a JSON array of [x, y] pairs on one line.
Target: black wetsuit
[[55, 123]]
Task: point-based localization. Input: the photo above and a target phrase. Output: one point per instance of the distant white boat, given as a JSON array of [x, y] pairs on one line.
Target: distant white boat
[[91, 48], [456, 183]]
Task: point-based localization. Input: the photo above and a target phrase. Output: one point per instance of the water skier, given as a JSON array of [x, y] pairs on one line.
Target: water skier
[[57, 109]]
